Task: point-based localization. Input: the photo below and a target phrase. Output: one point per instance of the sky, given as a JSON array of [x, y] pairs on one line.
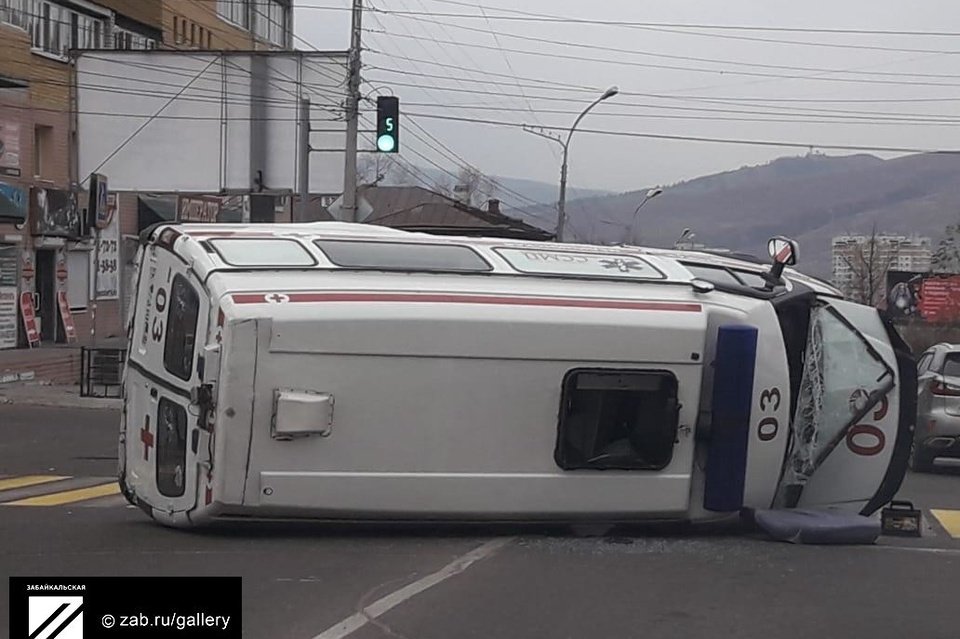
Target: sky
[[677, 77]]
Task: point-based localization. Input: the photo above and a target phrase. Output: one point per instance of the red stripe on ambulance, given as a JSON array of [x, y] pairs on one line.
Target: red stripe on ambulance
[[447, 298]]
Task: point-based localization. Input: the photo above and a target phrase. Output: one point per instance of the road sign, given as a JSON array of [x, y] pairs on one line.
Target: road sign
[[29, 314]]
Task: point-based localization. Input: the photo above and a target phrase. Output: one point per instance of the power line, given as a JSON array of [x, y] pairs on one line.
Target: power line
[[694, 30], [710, 118], [798, 111], [550, 85], [524, 16], [692, 138], [506, 59], [637, 52], [632, 63], [464, 163]]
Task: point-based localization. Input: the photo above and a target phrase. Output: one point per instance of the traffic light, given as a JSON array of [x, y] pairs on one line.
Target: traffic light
[[388, 124]]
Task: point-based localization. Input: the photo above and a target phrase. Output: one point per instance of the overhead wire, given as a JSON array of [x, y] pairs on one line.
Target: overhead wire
[[693, 138], [551, 85], [686, 58], [525, 16], [634, 63]]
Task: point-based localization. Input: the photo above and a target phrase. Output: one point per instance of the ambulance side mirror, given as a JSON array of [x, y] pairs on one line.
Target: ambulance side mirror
[[783, 252]]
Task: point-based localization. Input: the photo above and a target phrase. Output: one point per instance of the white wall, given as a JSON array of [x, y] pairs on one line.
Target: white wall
[[201, 140]]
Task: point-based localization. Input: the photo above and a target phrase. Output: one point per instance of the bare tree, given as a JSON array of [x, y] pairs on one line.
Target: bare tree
[[370, 169], [473, 187], [946, 259], [869, 262]]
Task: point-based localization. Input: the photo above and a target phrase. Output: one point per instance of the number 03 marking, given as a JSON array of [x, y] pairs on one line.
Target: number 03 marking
[[769, 426], [867, 440]]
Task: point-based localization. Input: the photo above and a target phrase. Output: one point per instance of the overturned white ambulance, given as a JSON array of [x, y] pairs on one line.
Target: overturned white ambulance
[[350, 372]]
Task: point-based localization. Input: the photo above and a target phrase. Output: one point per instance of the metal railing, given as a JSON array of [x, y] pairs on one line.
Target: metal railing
[[101, 371]]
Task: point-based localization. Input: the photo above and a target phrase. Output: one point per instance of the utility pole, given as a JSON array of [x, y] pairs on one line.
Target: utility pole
[[303, 161], [353, 117]]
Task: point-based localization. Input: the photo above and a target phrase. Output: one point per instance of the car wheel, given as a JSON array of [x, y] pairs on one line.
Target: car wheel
[[920, 462]]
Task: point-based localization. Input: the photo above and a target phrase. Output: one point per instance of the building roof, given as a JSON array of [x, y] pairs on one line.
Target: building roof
[[418, 209]]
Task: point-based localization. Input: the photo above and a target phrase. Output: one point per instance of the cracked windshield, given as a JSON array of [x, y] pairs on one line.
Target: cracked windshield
[[334, 319]]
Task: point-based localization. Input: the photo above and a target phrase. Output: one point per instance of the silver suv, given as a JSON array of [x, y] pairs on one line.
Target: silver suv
[[938, 406]]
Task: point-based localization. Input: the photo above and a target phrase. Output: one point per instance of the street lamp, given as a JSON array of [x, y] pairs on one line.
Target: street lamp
[[652, 193], [562, 204]]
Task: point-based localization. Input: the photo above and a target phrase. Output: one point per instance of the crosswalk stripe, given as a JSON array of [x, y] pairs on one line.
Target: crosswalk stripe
[[69, 496], [950, 520], [28, 480]]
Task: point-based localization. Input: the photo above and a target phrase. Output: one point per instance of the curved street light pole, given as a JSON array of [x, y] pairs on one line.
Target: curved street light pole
[[562, 203], [652, 193]]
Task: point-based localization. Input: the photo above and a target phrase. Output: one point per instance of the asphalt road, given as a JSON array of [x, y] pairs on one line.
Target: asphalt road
[[301, 581]]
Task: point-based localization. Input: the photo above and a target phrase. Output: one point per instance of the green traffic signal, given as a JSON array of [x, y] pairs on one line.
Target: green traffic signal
[[388, 118]]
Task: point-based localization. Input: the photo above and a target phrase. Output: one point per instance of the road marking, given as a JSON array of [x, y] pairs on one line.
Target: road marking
[[934, 551], [383, 605], [28, 480], [69, 496], [950, 520]]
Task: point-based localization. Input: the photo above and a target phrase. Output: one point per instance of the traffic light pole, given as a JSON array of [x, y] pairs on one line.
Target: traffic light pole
[[353, 117]]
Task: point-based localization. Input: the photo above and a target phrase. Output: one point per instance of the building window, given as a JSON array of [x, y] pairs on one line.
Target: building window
[[234, 11], [209, 40], [126, 40], [270, 21], [78, 279], [14, 12], [177, 37], [54, 28], [42, 149]]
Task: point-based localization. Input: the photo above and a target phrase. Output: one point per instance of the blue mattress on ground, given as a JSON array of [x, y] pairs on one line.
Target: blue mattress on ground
[[802, 526]]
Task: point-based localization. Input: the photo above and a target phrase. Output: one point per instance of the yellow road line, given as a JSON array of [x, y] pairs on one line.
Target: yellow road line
[[69, 496], [28, 480], [950, 520]]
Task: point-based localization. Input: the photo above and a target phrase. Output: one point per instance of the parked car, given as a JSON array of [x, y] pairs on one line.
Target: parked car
[[938, 406]]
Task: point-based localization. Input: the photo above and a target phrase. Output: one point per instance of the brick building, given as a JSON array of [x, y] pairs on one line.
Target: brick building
[[47, 246]]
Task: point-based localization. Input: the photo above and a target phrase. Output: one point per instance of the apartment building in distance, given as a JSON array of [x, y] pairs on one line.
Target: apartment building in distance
[[858, 258], [47, 248]]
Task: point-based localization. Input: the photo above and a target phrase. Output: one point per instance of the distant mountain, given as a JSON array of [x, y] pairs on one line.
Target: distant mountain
[[541, 191], [513, 192], [810, 198]]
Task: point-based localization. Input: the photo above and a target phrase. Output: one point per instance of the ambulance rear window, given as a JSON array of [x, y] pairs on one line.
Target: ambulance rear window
[[252, 253], [181, 337], [395, 256]]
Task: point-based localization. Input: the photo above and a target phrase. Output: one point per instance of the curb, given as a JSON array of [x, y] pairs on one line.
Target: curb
[[84, 403], [61, 400]]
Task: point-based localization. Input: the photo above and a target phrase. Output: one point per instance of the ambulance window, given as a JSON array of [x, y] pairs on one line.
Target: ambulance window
[[181, 334], [171, 448], [393, 256], [713, 274], [624, 420], [263, 252], [751, 279]]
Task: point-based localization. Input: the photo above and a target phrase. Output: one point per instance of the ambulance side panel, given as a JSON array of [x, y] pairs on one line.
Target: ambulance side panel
[[452, 410]]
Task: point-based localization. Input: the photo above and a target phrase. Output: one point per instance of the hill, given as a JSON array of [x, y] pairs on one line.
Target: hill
[[810, 199]]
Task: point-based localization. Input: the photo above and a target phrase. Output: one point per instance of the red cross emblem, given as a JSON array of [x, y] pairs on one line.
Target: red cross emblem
[[278, 298], [147, 438]]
